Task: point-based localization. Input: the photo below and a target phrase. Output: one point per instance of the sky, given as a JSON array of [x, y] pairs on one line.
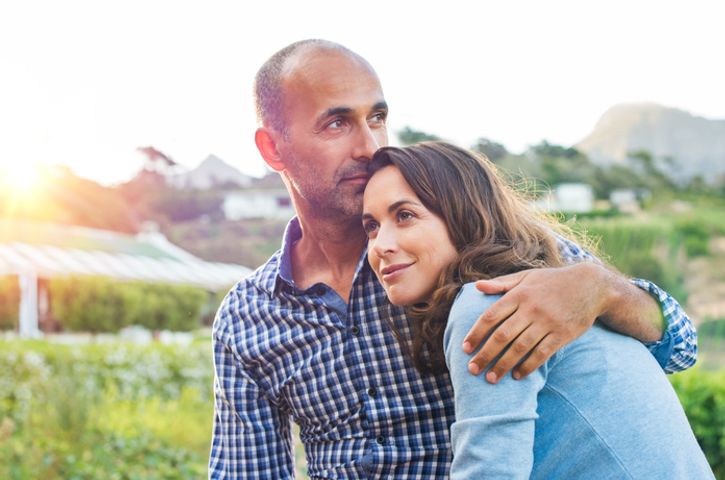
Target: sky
[[85, 83]]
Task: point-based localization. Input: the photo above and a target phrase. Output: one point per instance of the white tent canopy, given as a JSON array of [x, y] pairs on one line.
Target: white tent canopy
[[33, 251]]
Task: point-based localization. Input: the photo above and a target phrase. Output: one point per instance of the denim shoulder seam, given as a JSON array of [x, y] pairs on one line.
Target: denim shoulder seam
[[591, 427]]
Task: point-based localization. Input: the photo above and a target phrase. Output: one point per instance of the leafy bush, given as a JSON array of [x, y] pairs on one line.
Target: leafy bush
[[645, 250], [99, 304], [703, 397], [115, 411], [122, 411], [695, 236], [9, 302], [714, 329]]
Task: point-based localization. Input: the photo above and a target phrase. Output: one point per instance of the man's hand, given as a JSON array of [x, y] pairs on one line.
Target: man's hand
[[542, 310]]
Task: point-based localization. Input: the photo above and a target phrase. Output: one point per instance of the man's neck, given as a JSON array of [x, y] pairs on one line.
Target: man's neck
[[328, 253]]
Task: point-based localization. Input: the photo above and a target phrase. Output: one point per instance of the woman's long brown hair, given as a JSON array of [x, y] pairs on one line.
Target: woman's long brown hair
[[494, 231]]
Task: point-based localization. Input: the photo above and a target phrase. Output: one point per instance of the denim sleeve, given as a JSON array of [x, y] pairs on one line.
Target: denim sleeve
[[493, 435], [251, 438], [677, 350]]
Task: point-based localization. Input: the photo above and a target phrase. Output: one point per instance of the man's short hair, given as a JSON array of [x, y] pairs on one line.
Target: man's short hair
[[268, 81]]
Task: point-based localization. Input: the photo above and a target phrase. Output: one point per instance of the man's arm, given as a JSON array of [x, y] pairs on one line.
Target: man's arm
[[544, 309], [251, 438]]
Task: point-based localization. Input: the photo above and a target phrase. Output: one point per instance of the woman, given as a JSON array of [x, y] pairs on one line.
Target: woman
[[438, 218]]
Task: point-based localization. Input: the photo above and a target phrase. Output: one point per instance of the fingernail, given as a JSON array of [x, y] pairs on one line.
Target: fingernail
[[466, 347], [491, 377], [516, 375], [473, 368]]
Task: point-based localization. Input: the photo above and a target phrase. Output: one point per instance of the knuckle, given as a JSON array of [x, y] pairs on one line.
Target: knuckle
[[501, 335], [541, 353], [520, 347], [482, 359]]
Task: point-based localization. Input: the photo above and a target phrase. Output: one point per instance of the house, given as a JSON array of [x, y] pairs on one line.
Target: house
[[258, 203], [36, 252], [568, 197]]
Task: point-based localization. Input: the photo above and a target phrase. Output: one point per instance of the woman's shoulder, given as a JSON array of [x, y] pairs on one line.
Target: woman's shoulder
[[470, 298], [469, 304]]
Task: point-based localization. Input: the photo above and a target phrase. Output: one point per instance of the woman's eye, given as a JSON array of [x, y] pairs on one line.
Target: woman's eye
[[370, 227], [405, 215]]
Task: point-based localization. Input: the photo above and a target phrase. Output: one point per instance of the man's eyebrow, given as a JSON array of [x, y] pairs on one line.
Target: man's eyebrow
[[332, 112], [335, 111]]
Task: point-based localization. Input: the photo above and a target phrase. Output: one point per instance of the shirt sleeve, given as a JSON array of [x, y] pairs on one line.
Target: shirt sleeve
[[251, 437], [493, 435], [677, 350]]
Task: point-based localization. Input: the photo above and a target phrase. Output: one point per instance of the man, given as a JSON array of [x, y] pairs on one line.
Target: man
[[305, 336]]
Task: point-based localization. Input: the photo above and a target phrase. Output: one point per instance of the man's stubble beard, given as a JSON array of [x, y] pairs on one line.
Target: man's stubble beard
[[335, 200]]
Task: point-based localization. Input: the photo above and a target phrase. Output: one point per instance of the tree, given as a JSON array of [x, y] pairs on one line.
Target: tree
[[655, 178], [546, 149], [494, 151], [408, 136]]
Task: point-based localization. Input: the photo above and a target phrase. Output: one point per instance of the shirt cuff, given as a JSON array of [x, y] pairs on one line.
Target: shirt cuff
[[678, 334]]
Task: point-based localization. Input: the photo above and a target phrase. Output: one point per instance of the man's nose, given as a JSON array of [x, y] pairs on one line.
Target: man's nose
[[367, 143]]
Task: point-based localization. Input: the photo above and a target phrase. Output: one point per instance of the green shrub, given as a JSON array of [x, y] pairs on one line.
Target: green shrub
[[99, 304], [115, 411], [714, 329], [703, 397], [645, 250], [695, 237], [9, 302]]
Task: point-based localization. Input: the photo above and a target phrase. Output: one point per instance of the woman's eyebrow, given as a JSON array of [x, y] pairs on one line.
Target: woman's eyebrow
[[394, 206]]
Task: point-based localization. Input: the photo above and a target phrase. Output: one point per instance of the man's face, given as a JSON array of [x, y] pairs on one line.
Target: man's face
[[335, 115]]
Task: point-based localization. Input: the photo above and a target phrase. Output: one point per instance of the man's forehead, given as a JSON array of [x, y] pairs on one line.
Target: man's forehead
[[331, 79], [326, 66]]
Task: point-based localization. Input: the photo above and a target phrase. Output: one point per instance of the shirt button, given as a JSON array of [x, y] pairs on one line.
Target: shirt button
[[372, 392], [355, 330], [380, 440]]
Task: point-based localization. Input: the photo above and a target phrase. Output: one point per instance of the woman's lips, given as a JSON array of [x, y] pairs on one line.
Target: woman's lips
[[391, 272]]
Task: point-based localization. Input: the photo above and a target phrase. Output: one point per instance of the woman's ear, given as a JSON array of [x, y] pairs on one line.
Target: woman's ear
[[266, 141]]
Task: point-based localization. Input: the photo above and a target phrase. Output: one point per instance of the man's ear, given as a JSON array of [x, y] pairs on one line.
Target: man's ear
[[266, 141]]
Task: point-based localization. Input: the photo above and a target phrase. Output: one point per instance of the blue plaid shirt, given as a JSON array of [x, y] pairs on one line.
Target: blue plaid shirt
[[284, 354]]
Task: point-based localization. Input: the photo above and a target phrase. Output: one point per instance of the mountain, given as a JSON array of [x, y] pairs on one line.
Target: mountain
[[695, 145], [212, 172]]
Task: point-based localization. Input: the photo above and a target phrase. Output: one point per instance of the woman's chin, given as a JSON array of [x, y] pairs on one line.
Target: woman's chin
[[403, 299]]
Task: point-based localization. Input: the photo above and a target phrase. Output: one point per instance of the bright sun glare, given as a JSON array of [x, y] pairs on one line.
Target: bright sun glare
[[21, 179]]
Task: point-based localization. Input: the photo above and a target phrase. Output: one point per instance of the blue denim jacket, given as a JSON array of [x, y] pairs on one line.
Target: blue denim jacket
[[601, 407]]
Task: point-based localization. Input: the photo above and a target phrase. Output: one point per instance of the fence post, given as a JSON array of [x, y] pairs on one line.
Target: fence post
[[28, 324]]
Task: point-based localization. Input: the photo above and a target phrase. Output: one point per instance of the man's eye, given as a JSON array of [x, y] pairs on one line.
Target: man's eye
[[379, 117], [335, 124]]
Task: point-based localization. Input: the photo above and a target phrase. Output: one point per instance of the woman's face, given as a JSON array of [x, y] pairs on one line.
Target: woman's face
[[408, 245]]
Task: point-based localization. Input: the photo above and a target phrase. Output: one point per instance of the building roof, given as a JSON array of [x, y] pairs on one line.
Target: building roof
[[52, 250]]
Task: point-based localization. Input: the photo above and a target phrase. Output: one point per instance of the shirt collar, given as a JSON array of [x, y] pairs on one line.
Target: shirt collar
[[292, 234], [282, 275]]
